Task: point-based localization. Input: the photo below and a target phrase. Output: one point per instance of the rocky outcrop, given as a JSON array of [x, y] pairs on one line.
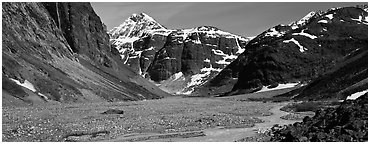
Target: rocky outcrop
[[177, 60], [296, 53], [60, 52], [113, 111], [348, 122]]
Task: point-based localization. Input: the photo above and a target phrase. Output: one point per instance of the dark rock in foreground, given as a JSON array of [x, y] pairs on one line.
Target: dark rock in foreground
[[113, 111], [348, 122]]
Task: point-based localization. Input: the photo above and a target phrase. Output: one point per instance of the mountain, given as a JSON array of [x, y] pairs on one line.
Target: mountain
[[59, 52], [176, 60], [298, 54]]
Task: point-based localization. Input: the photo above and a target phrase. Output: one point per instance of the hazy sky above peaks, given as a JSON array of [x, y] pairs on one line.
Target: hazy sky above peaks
[[243, 18]]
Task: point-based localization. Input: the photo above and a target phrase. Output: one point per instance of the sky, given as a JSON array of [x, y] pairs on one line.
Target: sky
[[242, 18]]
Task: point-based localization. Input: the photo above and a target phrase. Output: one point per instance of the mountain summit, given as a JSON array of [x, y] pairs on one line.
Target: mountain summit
[[135, 26]]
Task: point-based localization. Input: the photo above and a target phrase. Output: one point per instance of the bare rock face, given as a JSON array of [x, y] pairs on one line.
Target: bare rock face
[[186, 58], [83, 30], [296, 53], [60, 52]]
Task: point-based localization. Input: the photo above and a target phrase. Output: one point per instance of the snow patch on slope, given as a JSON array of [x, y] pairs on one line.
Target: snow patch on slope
[[211, 32], [280, 86], [240, 49], [273, 32], [224, 56], [177, 76], [305, 34], [361, 19], [301, 48], [330, 16], [356, 95], [302, 21], [26, 84], [199, 78], [164, 32], [322, 21]]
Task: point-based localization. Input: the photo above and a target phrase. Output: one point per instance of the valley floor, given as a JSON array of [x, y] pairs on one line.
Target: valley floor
[[168, 119]]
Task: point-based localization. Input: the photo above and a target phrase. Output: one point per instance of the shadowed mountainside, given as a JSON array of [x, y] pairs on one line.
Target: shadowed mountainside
[[299, 52], [60, 52]]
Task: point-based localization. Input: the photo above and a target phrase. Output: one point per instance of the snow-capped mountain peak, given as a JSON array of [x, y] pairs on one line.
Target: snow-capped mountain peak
[[142, 17], [135, 26], [304, 20], [131, 30], [157, 53]]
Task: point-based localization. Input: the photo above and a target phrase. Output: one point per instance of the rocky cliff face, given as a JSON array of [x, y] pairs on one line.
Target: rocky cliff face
[[294, 53], [177, 60], [59, 52]]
